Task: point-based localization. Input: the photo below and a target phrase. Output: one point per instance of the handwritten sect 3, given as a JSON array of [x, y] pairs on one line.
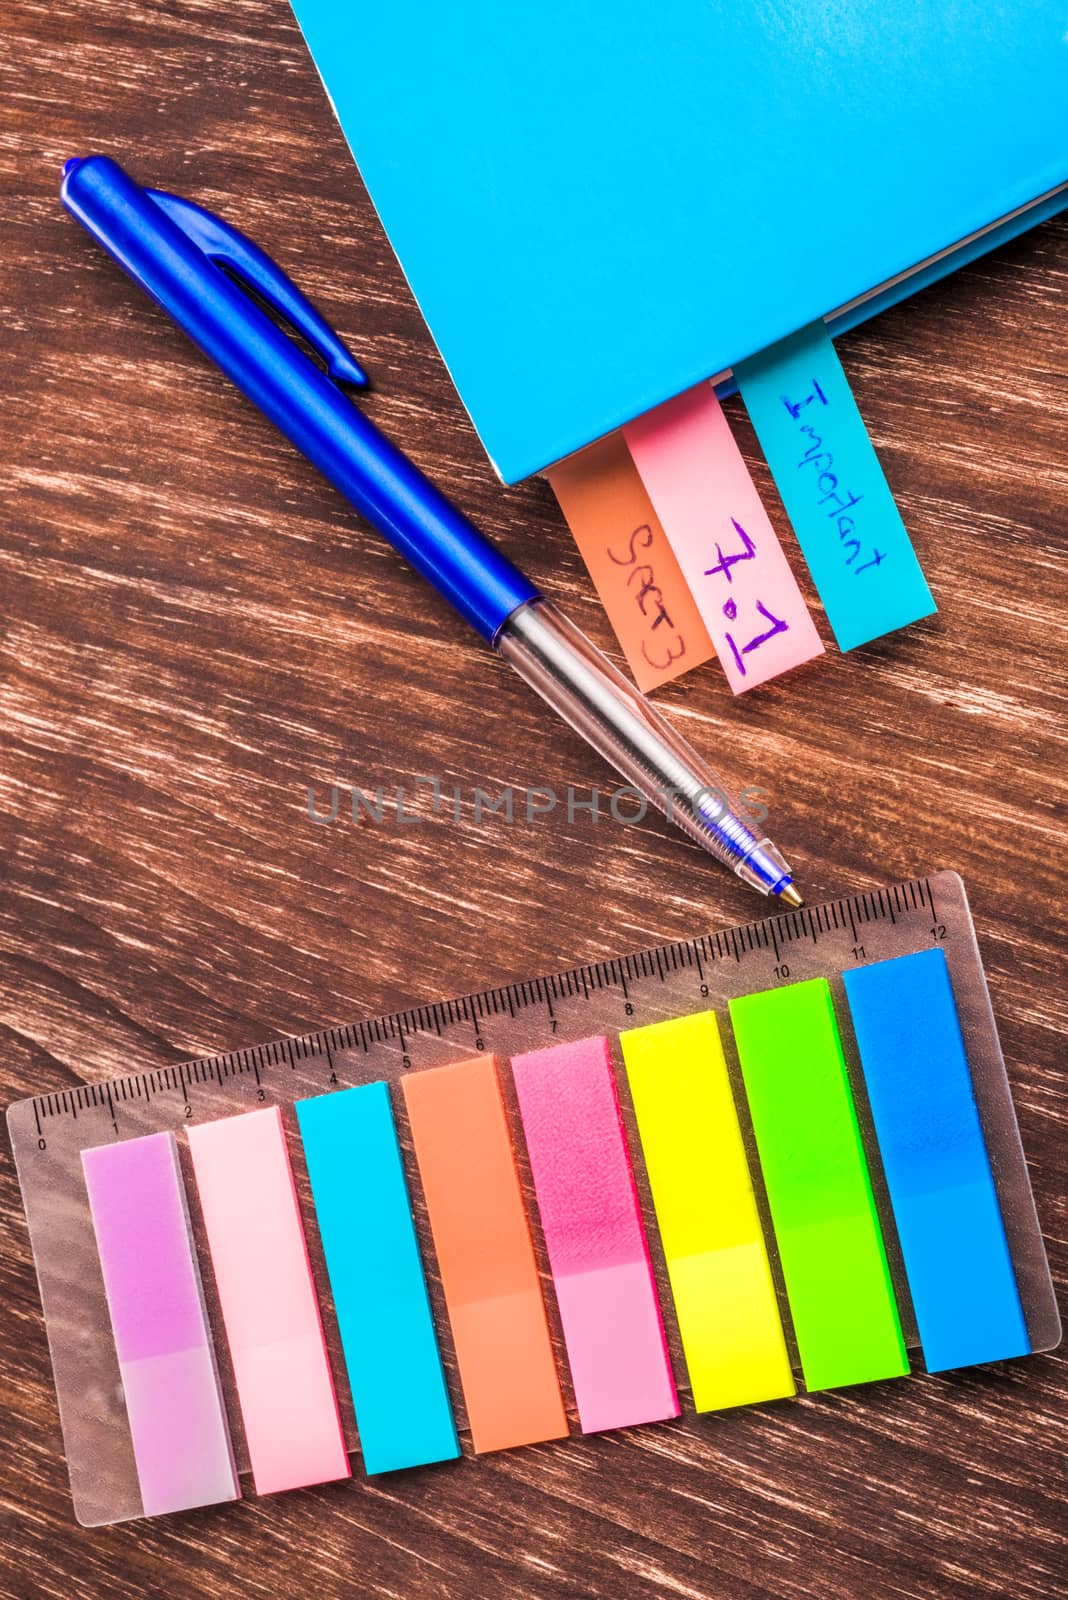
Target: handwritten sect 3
[[630, 560], [726, 547]]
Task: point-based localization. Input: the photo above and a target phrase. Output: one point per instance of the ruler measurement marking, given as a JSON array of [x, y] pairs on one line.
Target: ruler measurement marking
[[810, 923]]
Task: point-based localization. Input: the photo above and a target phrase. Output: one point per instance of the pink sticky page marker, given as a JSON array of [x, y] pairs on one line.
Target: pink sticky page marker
[[178, 1428], [726, 548], [260, 1260], [593, 1232]]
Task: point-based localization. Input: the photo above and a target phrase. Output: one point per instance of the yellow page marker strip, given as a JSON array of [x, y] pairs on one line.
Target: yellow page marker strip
[[631, 563], [727, 550], [714, 1246]]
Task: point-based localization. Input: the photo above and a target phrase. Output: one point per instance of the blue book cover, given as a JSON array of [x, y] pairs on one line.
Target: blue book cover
[[598, 205]]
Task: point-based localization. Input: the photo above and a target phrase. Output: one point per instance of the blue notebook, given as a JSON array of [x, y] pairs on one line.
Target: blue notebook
[[599, 205]]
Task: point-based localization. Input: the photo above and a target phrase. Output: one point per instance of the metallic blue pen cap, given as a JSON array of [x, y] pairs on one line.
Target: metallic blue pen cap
[[201, 271]]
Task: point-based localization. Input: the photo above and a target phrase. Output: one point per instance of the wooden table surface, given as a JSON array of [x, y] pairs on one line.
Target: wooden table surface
[[196, 628]]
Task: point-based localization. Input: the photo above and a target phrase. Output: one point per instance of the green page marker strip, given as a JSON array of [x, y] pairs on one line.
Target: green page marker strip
[[816, 1175]]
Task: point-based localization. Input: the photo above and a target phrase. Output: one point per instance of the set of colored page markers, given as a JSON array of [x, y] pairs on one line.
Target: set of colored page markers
[[777, 1159], [683, 554]]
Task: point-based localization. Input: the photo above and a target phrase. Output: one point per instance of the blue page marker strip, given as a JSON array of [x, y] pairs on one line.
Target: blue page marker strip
[[847, 524], [957, 1260], [398, 1387]]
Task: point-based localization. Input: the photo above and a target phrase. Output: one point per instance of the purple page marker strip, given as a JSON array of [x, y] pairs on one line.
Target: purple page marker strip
[[181, 1442], [726, 547], [593, 1232]]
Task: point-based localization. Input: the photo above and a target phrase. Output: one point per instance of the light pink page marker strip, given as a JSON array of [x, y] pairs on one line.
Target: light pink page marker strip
[[268, 1302], [593, 1232], [178, 1428], [726, 548]]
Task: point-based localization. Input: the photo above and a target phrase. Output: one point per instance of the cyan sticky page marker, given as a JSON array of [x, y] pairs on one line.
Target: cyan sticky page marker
[[934, 1155], [847, 524], [361, 1200]]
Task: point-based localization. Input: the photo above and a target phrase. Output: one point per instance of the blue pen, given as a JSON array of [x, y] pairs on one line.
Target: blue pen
[[199, 270]]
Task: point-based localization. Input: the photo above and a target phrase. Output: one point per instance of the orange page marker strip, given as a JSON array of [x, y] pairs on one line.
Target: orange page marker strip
[[727, 549], [270, 1312], [486, 1259], [631, 562]]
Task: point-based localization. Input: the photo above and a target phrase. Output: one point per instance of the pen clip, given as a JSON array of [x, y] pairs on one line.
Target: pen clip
[[229, 248]]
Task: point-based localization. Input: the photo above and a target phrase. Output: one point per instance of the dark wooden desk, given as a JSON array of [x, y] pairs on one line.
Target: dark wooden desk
[[196, 628]]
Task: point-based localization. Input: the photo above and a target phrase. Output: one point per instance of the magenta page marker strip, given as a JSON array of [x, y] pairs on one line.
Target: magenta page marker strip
[[594, 1235], [722, 539], [269, 1308], [178, 1428]]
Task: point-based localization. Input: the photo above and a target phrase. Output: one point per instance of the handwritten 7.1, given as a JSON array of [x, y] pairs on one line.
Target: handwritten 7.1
[[730, 606], [723, 541]]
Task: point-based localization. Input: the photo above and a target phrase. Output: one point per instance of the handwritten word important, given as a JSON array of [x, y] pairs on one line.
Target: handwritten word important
[[833, 487], [819, 463]]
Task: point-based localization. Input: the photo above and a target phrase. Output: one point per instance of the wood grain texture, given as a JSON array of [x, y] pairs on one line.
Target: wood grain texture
[[195, 629]]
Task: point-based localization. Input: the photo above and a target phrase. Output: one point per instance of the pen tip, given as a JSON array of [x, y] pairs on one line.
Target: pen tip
[[790, 896]]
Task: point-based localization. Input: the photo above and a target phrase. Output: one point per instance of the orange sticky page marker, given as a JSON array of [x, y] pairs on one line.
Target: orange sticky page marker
[[482, 1240], [633, 567]]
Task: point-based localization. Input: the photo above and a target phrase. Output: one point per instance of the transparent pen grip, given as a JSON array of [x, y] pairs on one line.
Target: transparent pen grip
[[556, 659]]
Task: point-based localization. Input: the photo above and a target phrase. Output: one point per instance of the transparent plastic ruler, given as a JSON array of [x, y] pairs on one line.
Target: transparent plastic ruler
[[49, 1131]]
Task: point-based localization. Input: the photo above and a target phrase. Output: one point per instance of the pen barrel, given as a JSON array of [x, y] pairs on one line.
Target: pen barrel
[[299, 398], [557, 660]]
